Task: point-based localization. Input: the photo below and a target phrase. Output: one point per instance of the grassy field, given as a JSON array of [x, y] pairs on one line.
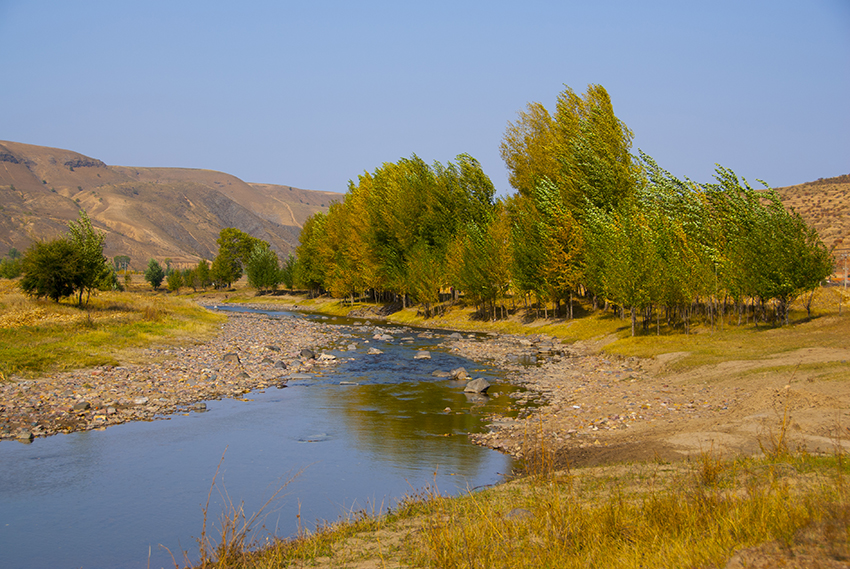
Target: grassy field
[[38, 336]]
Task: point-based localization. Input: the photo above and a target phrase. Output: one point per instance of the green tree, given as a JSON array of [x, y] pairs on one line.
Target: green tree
[[234, 248], [121, 262], [10, 268], [288, 272], [94, 271], [263, 267], [190, 278], [154, 274], [51, 269], [203, 273], [174, 281]]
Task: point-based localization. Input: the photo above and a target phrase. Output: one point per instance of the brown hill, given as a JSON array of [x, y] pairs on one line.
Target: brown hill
[[825, 205], [162, 213]]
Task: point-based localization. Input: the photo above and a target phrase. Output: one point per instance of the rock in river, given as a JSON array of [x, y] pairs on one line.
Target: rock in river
[[479, 385]]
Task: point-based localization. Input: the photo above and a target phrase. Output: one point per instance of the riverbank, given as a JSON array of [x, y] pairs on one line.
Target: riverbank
[[247, 352], [607, 397]]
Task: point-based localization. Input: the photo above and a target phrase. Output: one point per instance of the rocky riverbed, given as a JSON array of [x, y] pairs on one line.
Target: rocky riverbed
[[596, 408], [251, 351]]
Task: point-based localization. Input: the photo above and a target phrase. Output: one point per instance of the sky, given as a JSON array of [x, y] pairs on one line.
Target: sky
[[312, 94]]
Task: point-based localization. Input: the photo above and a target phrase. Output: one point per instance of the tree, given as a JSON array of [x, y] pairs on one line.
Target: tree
[[174, 281], [234, 248], [51, 269], [263, 267], [154, 274], [121, 262], [10, 268], [203, 273], [288, 272], [94, 271], [528, 148]]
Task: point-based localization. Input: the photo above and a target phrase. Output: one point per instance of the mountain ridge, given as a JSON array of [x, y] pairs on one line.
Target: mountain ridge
[[145, 212]]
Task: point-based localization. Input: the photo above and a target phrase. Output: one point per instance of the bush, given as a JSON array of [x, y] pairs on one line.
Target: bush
[[52, 269]]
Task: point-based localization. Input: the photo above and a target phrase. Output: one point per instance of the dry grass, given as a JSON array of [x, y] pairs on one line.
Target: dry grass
[[645, 515], [38, 336]]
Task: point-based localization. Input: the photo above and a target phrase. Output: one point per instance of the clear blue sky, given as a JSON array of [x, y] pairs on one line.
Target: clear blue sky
[[311, 94]]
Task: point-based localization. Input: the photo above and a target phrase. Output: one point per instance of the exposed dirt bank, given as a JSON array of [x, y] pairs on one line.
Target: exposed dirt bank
[[601, 409]]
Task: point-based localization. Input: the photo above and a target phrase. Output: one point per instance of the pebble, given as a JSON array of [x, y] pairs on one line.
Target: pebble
[[177, 378]]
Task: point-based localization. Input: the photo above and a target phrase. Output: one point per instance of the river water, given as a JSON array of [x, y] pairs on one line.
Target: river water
[[126, 495]]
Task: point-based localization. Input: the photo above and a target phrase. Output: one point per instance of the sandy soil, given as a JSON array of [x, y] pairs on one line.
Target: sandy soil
[[600, 409]]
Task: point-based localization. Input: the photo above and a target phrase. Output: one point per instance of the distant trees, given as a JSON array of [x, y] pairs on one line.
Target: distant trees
[[70, 265], [121, 262], [11, 265]]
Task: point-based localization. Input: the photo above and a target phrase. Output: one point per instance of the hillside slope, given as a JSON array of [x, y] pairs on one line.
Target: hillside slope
[[825, 205], [174, 213]]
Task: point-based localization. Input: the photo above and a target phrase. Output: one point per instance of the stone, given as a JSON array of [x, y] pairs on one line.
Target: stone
[[308, 354], [280, 364], [422, 355], [458, 374], [455, 336], [478, 385], [352, 347], [267, 361], [273, 348], [374, 352], [200, 406], [440, 373], [232, 357], [140, 401], [82, 406], [326, 357], [25, 436]]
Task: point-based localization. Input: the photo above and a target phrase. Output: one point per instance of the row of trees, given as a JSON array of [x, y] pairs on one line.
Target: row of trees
[[588, 219], [238, 254]]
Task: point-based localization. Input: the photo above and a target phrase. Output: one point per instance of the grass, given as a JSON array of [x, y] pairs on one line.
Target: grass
[[38, 336], [705, 345], [694, 514]]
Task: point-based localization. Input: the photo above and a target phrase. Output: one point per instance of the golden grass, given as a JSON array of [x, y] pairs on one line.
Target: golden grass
[[38, 336], [645, 515]]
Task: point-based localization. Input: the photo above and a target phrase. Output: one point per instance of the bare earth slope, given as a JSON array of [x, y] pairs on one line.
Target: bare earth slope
[[825, 205], [162, 213]]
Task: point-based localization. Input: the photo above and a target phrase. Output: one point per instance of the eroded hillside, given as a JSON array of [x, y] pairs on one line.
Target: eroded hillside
[[174, 213]]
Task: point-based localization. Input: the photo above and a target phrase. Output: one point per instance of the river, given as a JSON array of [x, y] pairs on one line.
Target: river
[[360, 436]]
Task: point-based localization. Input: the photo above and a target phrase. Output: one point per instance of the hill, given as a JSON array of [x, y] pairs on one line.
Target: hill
[[174, 213], [825, 205]]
